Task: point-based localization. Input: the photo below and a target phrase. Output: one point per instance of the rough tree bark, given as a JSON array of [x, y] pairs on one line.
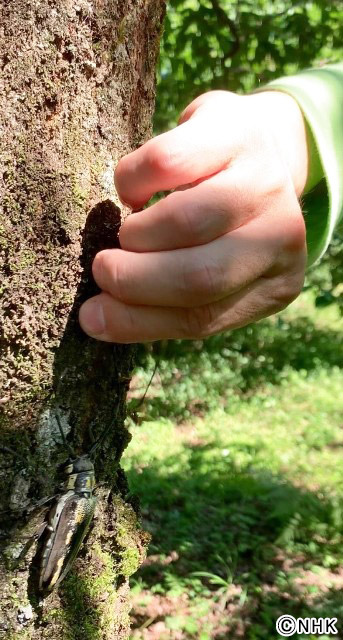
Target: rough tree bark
[[76, 93]]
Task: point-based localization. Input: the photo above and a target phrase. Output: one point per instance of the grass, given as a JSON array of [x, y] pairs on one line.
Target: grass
[[242, 490], [195, 377]]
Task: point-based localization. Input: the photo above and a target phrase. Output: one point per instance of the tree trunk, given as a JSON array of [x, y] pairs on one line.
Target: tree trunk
[[76, 93]]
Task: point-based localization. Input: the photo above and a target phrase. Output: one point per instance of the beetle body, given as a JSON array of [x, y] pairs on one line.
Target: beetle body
[[68, 521]]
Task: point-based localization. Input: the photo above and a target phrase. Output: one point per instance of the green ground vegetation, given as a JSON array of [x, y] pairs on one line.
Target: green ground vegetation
[[237, 448], [237, 463]]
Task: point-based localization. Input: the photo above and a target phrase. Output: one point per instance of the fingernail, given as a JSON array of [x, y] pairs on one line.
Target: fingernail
[[91, 317]]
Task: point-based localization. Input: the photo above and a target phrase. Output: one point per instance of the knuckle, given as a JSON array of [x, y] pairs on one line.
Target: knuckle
[[286, 289], [197, 322], [130, 324], [122, 178], [256, 190], [160, 158], [220, 99], [98, 268], [113, 274], [187, 215], [183, 216], [120, 281], [294, 241], [203, 282], [273, 184], [240, 316], [275, 187], [118, 175], [188, 222]]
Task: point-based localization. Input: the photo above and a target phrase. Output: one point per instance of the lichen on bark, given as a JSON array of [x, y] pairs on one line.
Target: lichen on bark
[[77, 86]]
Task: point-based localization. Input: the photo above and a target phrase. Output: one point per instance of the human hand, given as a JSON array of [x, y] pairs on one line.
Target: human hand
[[224, 249]]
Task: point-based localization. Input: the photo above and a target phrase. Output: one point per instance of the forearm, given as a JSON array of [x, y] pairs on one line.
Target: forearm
[[319, 94]]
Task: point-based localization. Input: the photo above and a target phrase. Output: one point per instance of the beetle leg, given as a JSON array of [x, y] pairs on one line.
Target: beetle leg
[[91, 434], [27, 546], [30, 510]]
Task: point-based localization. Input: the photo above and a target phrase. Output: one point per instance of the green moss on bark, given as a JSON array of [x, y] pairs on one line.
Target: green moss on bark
[[73, 103]]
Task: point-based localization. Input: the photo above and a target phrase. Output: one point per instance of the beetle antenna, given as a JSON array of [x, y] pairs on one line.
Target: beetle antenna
[[139, 403], [141, 400], [66, 444], [104, 433], [14, 453]]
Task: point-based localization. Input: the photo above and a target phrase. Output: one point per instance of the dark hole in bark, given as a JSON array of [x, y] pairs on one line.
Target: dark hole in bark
[[57, 41], [100, 232], [68, 55], [51, 103], [5, 60], [83, 392], [101, 229]]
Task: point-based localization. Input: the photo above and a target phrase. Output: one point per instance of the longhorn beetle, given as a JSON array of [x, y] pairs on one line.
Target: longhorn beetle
[[69, 518]]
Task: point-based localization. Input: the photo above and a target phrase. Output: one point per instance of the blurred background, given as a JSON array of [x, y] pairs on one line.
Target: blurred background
[[236, 455]]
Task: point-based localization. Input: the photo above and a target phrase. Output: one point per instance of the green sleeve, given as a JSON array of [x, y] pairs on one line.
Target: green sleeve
[[319, 93]]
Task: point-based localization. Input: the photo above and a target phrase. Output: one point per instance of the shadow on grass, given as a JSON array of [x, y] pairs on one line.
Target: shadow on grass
[[196, 376], [264, 612], [251, 528]]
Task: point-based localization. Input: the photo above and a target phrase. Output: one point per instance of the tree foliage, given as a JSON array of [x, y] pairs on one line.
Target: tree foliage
[[239, 45], [327, 278]]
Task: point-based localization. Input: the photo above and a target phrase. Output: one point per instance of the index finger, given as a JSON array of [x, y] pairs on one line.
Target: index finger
[[194, 150]]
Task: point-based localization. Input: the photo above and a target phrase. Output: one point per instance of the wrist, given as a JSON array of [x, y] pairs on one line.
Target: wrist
[[285, 118]]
